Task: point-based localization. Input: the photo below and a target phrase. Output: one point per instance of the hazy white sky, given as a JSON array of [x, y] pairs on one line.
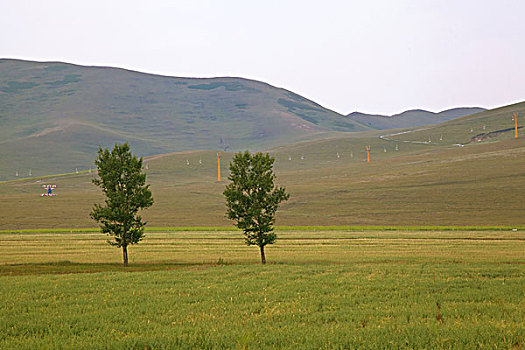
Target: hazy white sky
[[371, 56]]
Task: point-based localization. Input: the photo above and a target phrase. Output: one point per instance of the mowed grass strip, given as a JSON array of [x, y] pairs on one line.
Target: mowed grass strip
[[20, 251], [319, 290], [280, 228]]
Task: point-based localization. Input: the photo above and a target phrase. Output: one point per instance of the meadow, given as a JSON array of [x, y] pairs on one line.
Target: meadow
[[320, 289], [476, 185], [406, 183], [423, 247]]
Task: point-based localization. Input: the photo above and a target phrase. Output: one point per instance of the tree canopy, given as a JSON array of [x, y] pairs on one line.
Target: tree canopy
[[124, 185], [252, 198]]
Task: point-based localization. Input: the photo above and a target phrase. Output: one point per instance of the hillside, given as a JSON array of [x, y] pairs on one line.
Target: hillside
[[53, 116], [407, 182], [411, 118], [494, 125]]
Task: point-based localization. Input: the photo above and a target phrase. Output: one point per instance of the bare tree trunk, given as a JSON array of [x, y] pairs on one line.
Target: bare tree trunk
[[263, 258], [125, 254]]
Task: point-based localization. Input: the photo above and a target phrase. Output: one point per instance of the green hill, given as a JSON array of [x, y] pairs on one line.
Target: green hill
[[53, 116], [409, 181], [490, 126], [411, 118]]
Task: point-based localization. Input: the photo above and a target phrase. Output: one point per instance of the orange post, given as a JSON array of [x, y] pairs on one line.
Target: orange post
[[368, 154], [516, 125], [219, 166]]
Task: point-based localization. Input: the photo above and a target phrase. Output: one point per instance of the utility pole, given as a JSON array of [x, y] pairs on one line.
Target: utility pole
[[219, 166]]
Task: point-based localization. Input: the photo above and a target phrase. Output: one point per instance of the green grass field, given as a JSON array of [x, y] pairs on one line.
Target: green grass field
[[415, 249], [435, 184], [324, 289], [368, 252], [476, 185]]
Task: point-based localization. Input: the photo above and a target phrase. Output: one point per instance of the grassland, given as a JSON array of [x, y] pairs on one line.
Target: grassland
[[480, 184], [469, 174], [351, 278], [337, 289]]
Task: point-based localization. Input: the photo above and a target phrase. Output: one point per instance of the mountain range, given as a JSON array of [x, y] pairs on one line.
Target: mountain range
[[411, 118], [54, 116]]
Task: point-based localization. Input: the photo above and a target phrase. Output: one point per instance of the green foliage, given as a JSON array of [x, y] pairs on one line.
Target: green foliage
[[124, 186], [252, 198], [307, 118], [67, 79], [16, 86], [234, 86], [292, 105]]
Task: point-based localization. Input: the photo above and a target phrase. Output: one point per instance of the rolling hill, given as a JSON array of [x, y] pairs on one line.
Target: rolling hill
[[54, 116], [409, 181], [411, 118], [494, 125]]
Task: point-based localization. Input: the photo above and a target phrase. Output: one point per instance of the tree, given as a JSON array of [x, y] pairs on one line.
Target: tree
[[252, 198], [124, 185]]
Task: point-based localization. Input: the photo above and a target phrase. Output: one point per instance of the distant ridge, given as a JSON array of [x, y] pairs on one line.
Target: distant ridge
[[54, 116], [411, 118]]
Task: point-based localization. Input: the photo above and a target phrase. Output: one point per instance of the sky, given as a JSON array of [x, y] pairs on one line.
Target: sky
[[380, 57]]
